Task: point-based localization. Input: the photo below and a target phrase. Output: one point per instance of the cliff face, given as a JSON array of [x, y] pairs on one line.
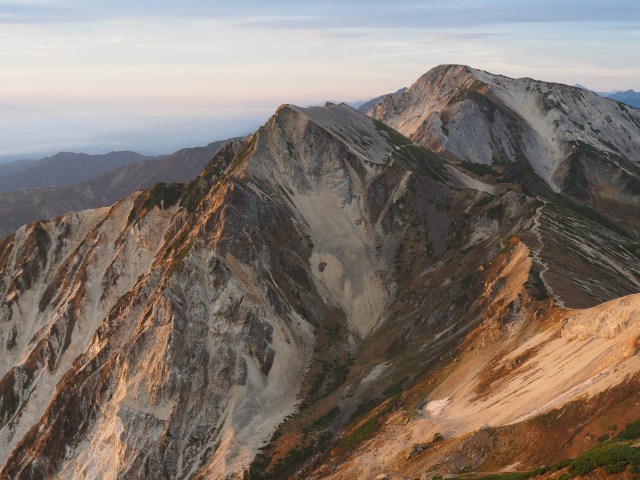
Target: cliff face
[[308, 275]]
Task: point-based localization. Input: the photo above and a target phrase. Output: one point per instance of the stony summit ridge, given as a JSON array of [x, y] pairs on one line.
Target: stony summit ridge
[[445, 285]]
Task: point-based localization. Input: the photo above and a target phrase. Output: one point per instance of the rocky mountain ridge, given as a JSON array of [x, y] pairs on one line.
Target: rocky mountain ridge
[[320, 302], [582, 146]]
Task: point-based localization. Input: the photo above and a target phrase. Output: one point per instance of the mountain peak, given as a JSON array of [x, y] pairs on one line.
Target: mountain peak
[[447, 103], [342, 122], [444, 73]]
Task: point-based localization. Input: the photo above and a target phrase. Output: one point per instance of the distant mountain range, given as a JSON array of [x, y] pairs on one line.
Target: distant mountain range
[[15, 166], [71, 181], [369, 104], [629, 97], [62, 169]]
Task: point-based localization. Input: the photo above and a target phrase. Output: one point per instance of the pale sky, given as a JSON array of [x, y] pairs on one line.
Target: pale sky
[[155, 76]]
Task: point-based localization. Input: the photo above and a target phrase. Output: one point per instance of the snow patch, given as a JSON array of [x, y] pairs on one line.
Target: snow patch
[[434, 408]]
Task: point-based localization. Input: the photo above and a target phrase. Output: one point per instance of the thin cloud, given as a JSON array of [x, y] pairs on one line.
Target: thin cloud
[[287, 22], [333, 14], [337, 35], [35, 13], [461, 36]]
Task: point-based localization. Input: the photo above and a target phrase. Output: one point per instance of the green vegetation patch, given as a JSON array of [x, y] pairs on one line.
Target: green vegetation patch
[[479, 169], [394, 137], [365, 430], [576, 182], [179, 258], [358, 435], [324, 421], [409, 156], [244, 153], [263, 467], [614, 456], [454, 240], [462, 92], [162, 195], [631, 431], [193, 197], [215, 171], [332, 375]]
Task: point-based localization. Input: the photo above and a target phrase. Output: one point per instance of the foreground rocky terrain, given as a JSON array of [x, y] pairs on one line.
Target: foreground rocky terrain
[[447, 286]]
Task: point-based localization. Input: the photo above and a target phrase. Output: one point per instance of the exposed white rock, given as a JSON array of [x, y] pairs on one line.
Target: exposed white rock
[[327, 192], [434, 407], [537, 118]]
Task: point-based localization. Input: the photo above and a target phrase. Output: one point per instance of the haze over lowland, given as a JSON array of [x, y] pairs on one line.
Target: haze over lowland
[[154, 77]]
